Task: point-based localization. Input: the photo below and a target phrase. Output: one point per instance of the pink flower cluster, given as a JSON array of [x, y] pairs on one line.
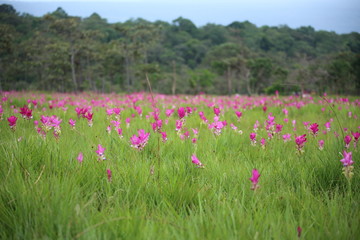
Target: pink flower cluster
[[217, 126], [101, 153], [314, 128], [255, 179], [12, 122], [347, 163], [300, 142], [85, 112], [139, 141], [26, 112], [196, 161], [48, 123]]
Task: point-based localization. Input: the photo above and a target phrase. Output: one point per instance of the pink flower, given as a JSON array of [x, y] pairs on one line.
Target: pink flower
[[116, 124], [270, 135], [100, 152], [46, 121], [41, 132], [196, 161], [108, 129], [195, 131], [80, 157], [187, 134], [116, 111], [140, 141], [72, 122], [356, 136], [26, 112], [285, 111], [89, 117], [321, 144], [299, 230], [217, 127], [278, 128], [178, 124], [189, 110], [286, 137], [81, 112], [270, 123], [109, 111], [157, 125], [109, 174], [120, 132], [194, 140], [216, 111], [347, 160], [347, 141], [155, 114], [263, 142], [254, 179], [238, 114], [55, 121], [164, 136], [138, 110], [328, 126], [12, 122], [202, 116], [300, 142], [253, 138], [181, 112], [256, 125], [314, 128], [169, 112]]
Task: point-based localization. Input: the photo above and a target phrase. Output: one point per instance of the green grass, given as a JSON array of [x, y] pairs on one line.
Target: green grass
[[46, 194]]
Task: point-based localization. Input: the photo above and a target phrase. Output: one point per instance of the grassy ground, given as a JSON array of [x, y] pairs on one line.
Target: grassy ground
[[45, 193]]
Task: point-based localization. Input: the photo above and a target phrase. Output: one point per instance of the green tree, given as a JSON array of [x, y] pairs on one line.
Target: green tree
[[68, 29], [261, 71]]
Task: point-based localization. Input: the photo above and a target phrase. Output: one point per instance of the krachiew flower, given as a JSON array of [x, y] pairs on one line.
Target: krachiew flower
[[139, 141]]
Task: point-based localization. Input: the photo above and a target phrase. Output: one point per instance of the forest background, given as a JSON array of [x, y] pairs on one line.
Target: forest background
[[58, 52]]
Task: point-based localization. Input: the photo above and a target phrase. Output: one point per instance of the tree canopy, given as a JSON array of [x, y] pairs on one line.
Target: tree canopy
[[59, 52]]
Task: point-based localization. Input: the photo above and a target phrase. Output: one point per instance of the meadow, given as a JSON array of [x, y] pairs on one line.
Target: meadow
[[142, 166]]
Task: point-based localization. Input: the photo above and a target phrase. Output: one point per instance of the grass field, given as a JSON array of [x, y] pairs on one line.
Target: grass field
[[147, 187]]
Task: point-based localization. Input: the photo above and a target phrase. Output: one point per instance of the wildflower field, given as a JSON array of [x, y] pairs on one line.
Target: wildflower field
[[142, 166]]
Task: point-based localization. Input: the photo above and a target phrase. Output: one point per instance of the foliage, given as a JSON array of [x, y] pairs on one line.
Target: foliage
[[59, 52]]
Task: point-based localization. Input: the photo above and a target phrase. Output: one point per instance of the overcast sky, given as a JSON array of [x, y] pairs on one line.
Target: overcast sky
[[341, 16]]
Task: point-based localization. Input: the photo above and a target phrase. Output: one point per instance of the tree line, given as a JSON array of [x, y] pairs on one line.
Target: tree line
[[58, 52]]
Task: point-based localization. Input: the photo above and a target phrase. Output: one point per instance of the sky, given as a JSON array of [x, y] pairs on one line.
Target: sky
[[341, 16]]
